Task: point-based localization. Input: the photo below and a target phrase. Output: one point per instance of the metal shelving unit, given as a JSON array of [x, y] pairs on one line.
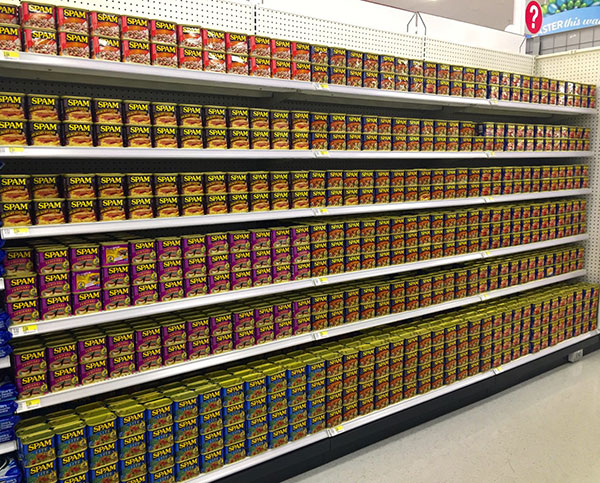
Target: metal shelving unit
[[161, 373], [21, 64], [44, 327], [174, 84], [35, 231]]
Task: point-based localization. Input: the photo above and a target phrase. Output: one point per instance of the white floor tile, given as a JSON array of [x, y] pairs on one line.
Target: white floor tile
[[544, 430]]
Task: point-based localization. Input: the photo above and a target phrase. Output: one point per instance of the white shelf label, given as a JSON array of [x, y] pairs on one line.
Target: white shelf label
[[320, 281], [498, 370], [320, 335], [488, 199], [9, 55], [321, 86], [335, 431], [320, 211], [486, 254], [19, 231], [321, 154], [29, 404], [484, 296], [24, 330]]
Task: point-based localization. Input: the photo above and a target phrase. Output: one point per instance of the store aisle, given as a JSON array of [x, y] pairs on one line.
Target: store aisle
[[544, 430]]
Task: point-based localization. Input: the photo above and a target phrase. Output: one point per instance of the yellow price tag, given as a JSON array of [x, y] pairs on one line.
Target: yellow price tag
[[20, 231], [11, 55], [323, 211], [492, 154], [30, 328], [324, 86], [484, 296], [323, 333], [322, 154], [498, 369], [16, 149], [323, 279], [339, 428], [32, 403]]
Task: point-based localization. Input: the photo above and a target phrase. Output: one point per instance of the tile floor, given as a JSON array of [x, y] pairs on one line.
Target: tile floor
[[544, 430]]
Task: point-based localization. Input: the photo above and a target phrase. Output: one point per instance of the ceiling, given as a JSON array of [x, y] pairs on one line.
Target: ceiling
[[495, 14]]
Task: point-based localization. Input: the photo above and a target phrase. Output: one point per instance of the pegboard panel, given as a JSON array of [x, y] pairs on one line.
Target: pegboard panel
[[217, 14], [577, 66], [582, 66], [451, 53], [286, 25]]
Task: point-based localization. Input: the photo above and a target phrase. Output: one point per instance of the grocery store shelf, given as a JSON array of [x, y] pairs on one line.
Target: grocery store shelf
[[161, 373], [36, 231], [408, 403], [42, 327], [8, 447], [67, 152], [69, 69], [270, 455], [4, 362]]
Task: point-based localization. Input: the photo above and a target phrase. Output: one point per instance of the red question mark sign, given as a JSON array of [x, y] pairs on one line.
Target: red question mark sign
[[533, 17]]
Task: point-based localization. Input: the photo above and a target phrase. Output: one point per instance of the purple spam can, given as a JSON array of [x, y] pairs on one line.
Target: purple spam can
[[169, 248], [86, 302], [142, 251], [241, 279], [147, 336], [49, 284], [219, 283], [220, 323], [239, 241], [193, 246], [197, 327], [121, 365], [61, 354], [143, 273], [170, 290], [116, 298], [55, 307], [261, 276], [221, 343], [243, 338], [217, 243], [260, 239], [194, 287], [149, 359], [168, 270], [242, 319], [120, 343], [52, 259], [194, 267], [113, 277], [114, 253], [174, 354], [198, 348], [144, 294], [84, 256]]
